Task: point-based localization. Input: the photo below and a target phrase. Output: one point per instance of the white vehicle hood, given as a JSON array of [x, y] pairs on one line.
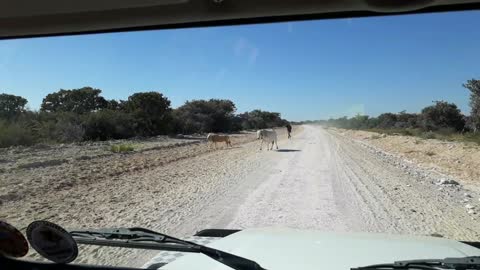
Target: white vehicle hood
[[282, 249]]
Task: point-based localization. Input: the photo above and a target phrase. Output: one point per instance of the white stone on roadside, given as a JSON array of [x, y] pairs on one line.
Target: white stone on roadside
[[471, 212], [469, 206], [408, 185]]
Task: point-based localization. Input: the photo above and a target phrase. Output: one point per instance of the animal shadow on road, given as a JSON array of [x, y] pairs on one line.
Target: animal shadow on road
[[288, 150]]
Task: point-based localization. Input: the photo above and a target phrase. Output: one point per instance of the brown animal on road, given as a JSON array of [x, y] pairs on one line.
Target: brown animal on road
[[216, 138]]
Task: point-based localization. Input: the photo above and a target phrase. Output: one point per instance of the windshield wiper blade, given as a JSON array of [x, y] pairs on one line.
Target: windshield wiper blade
[[461, 263], [147, 239]]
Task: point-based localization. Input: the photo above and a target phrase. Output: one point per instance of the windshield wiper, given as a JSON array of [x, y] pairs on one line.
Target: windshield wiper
[[147, 239], [462, 263]]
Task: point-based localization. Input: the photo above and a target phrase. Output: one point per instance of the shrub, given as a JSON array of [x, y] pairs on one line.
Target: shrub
[[151, 112], [13, 134], [387, 120], [108, 124], [214, 115], [428, 135], [258, 119], [473, 137], [69, 132], [442, 115]]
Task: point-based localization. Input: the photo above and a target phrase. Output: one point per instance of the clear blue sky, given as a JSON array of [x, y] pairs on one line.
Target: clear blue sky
[[305, 70]]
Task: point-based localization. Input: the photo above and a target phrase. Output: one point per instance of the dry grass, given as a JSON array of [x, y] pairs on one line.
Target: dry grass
[[444, 135], [121, 148]]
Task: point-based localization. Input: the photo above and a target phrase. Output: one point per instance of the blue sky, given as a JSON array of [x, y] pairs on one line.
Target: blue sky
[[305, 70]]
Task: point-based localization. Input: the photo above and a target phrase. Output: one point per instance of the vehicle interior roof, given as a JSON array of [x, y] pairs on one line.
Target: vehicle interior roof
[[31, 18]]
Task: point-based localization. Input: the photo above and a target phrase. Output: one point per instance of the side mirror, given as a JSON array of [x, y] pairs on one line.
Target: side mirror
[[52, 241], [12, 241]]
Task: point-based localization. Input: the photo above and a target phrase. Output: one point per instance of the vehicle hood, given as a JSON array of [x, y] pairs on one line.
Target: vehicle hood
[[282, 249]]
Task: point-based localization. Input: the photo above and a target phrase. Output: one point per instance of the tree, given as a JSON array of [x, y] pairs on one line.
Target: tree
[[115, 105], [79, 101], [407, 120], [214, 115], [258, 119], [11, 105], [108, 124], [151, 112], [359, 122], [474, 87], [442, 115], [387, 120]]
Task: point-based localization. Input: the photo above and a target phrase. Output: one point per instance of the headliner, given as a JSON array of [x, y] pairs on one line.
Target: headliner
[[33, 18]]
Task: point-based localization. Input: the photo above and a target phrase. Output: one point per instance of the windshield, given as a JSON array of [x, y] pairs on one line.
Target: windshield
[[345, 125]]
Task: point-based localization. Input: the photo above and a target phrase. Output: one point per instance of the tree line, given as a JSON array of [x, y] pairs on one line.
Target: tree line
[[442, 116], [84, 114]]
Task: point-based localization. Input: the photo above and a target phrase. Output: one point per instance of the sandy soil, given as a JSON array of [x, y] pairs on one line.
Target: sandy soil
[[158, 186], [456, 159], [320, 179]]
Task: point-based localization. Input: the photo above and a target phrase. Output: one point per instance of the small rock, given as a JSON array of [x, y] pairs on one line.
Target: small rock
[[443, 182], [471, 212], [408, 185], [440, 189], [413, 210], [467, 195], [466, 200], [469, 206]]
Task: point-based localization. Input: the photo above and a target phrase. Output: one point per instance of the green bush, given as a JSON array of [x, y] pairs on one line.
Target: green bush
[[258, 119], [428, 135], [472, 137], [83, 114], [107, 124], [151, 112], [14, 134], [214, 115], [442, 116]]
